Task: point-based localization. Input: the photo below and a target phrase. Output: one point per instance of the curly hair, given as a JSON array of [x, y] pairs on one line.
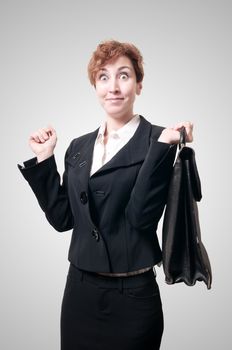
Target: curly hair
[[110, 49]]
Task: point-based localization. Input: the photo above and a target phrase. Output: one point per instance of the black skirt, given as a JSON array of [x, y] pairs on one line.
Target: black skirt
[[111, 313]]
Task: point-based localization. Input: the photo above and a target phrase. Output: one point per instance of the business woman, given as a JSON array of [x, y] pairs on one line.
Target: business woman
[[112, 195]]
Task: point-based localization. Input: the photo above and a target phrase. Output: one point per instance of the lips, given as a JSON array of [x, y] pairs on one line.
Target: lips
[[114, 99]]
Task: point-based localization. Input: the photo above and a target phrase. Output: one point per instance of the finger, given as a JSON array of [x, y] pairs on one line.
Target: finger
[[50, 128], [34, 137], [39, 136], [43, 133], [186, 124], [51, 131], [189, 131]]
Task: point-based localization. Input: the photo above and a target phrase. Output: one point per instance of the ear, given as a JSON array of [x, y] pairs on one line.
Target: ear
[[139, 88]]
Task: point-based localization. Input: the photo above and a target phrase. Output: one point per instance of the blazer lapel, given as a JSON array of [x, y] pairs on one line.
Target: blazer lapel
[[83, 156], [134, 150]]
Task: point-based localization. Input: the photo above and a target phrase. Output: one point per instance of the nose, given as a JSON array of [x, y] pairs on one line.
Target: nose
[[113, 86]]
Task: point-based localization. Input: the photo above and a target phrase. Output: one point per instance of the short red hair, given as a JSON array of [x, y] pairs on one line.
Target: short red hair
[[111, 49]]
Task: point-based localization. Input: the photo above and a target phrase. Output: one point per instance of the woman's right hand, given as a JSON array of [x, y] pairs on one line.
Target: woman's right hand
[[172, 135], [42, 142]]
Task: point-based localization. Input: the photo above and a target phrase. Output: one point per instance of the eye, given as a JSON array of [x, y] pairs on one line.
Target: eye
[[124, 75], [102, 77]]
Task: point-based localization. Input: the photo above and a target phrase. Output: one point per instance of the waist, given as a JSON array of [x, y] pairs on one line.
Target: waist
[[101, 280], [125, 274]]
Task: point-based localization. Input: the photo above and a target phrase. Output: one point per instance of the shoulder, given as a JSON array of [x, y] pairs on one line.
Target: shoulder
[[154, 129], [82, 140]]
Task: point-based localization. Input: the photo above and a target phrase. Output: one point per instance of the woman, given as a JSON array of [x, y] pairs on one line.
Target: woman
[[112, 195]]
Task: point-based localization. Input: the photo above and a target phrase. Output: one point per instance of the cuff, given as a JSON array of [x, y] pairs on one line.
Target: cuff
[[33, 168]]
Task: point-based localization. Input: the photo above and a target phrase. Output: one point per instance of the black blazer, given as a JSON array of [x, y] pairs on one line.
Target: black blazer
[[115, 212]]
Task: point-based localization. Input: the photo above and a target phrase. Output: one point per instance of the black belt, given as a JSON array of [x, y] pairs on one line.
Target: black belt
[[112, 282]]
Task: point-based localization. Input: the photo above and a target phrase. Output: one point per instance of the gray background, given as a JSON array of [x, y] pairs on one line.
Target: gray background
[[45, 48]]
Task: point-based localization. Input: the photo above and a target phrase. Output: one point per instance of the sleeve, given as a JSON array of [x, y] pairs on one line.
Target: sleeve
[[52, 196], [149, 194]]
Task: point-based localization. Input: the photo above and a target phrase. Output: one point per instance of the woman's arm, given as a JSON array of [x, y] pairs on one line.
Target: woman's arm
[[149, 194], [42, 175]]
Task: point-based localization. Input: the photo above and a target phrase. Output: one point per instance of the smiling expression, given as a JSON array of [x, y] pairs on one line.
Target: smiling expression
[[116, 87]]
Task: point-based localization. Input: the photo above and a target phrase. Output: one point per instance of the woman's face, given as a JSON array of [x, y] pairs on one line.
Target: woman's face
[[116, 87]]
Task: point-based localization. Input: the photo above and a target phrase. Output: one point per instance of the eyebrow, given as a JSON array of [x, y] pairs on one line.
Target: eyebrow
[[120, 68]]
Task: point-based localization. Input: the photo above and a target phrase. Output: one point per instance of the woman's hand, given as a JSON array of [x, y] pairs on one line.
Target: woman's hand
[[43, 142], [172, 135]]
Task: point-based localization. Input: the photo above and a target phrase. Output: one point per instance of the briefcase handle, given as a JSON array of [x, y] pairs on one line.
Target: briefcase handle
[[183, 135]]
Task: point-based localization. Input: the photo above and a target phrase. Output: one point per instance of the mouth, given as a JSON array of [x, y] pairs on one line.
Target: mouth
[[114, 99]]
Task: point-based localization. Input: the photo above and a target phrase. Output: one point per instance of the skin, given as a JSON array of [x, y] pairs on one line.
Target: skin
[[116, 89]]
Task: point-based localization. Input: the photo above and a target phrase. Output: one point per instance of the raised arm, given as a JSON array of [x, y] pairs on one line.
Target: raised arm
[[42, 175]]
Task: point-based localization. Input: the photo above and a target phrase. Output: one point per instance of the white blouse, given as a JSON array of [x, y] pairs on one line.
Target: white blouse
[[116, 140]]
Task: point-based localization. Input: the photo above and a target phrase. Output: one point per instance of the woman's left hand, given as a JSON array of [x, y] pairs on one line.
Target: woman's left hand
[[172, 135]]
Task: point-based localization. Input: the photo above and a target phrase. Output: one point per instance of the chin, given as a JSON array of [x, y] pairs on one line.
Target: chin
[[116, 113]]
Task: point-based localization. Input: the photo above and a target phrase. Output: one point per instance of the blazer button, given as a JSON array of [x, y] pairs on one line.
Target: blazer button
[[95, 234], [76, 155], [83, 197]]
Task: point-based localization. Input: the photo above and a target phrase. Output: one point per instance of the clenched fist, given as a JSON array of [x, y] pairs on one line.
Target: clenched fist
[[172, 135], [43, 142]]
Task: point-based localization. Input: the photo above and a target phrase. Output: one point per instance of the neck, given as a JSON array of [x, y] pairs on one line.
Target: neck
[[113, 123]]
